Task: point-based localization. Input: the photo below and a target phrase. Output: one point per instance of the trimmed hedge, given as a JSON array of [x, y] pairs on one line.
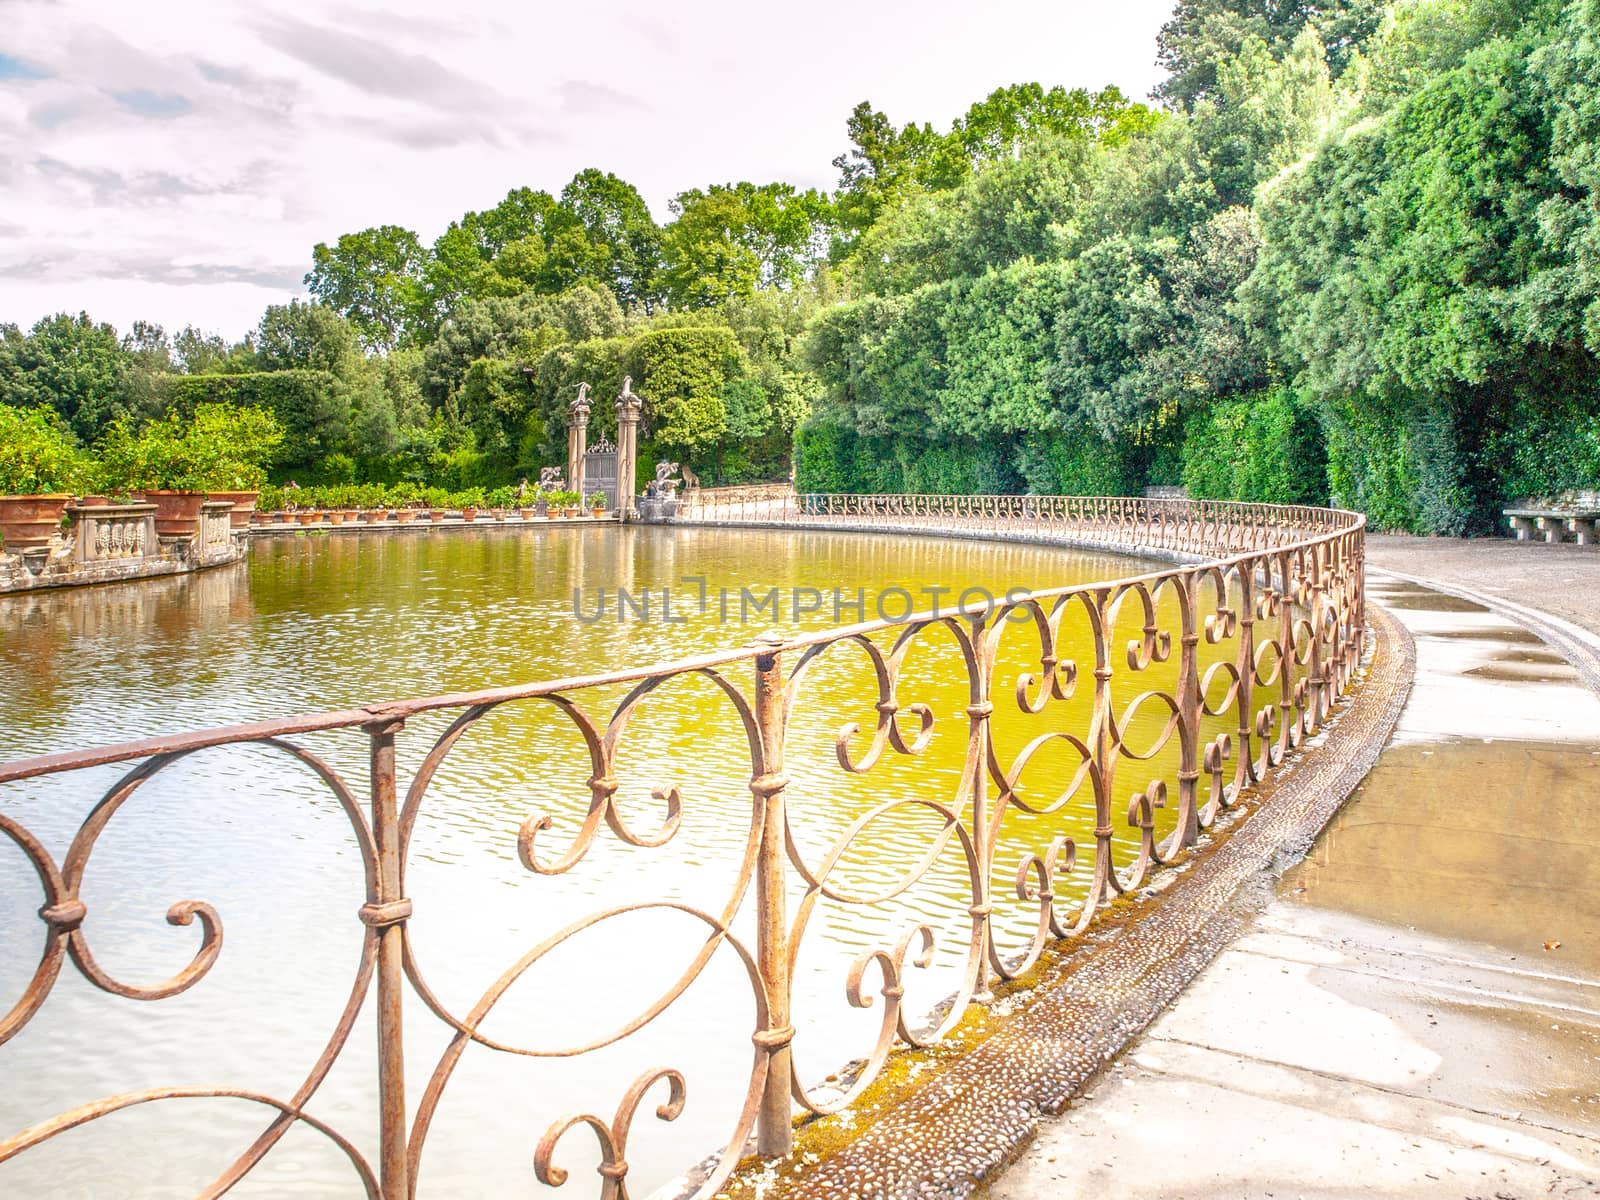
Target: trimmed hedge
[[1264, 447], [312, 406]]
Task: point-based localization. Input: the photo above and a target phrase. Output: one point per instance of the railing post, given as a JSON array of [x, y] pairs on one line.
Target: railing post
[[387, 912], [775, 1122], [1189, 700]]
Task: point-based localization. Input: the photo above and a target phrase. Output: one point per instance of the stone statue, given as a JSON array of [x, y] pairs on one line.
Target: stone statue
[[580, 406], [626, 399], [666, 486], [550, 479]]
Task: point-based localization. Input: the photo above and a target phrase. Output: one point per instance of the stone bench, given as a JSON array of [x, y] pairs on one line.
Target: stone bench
[[1552, 524]]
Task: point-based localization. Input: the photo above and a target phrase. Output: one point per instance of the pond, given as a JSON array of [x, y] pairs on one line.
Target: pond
[[314, 623]]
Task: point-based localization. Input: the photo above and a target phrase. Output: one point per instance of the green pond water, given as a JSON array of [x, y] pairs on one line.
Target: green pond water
[[313, 623]]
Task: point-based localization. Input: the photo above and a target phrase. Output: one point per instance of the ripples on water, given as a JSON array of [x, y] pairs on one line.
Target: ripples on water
[[317, 623]]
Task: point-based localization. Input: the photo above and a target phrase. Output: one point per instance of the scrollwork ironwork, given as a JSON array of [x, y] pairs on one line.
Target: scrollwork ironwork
[[1095, 763]]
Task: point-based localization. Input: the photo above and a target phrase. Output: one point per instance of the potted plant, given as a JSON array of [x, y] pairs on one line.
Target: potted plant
[[160, 462], [501, 499], [269, 504], [469, 501], [597, 504], [39, 469], [571, 503], [230, 447], [373, 500]]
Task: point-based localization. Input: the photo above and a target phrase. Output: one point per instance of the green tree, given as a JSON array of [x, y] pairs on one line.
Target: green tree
[[682, 374], [615, 218], [729, 242], [374, 280], [77, 367], [1201, 35]]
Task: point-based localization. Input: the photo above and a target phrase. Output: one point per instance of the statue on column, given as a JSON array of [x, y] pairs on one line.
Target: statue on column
[[628, 410], [578, 439]]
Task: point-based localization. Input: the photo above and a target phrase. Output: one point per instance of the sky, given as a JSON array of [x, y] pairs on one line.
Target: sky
[[176, 162]]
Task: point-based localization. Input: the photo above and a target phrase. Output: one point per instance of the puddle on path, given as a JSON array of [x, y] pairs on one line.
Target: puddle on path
[[1547, 657], [1482, 841], [1511, 634], [1524, 672], [1421, 601]]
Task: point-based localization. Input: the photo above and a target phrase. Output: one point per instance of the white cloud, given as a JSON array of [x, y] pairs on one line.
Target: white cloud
[[176, 162]]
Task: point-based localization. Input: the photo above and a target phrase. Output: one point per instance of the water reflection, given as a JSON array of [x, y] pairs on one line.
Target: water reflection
[[317, 623]]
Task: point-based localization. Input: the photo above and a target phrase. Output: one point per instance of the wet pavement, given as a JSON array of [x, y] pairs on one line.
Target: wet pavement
[[1418, 1012], [1563, 580]]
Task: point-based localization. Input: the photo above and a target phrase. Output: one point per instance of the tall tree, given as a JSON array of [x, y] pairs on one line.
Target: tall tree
[[79, 368], [1201, 35], [729, 241], [374, 279], [615, 217]]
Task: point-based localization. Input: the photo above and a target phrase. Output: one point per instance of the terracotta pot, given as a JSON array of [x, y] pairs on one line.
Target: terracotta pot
[[30, 522], [307, 516], [244, 503], [404, 515], [552, 513], [597, 513], [469, 514], [177, 513], [335, 516], [436, 515], [93, 502], [280, 517], [375, 516]]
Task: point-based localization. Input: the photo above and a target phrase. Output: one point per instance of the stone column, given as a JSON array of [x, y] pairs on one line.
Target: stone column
[[578, 440], [628, 406]]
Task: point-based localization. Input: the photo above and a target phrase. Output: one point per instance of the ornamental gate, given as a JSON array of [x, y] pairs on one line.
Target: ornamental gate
[[600, 471]]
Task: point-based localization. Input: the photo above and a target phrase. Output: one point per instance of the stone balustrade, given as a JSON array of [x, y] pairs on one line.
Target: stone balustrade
[[112, 532], [104, 543]]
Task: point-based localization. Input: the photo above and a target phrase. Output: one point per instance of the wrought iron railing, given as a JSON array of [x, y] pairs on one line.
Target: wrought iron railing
[[1201, 527], [1198, 679]]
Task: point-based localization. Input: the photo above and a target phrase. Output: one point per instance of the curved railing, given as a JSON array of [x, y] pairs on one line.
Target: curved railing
[[1187, 687], [1198, 527]]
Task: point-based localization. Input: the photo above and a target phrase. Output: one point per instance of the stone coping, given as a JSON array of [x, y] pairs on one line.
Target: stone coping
[[422, 525]]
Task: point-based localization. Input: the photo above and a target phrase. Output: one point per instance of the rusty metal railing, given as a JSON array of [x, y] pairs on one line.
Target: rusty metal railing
[[1201, 527], [1267, 634]]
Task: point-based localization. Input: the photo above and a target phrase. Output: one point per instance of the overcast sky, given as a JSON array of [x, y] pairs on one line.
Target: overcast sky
[[177, 161]]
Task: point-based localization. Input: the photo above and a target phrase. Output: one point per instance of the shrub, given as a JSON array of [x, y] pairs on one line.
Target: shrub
[[312, 407], [1077, 462], [37, 455], [1264, 447]]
